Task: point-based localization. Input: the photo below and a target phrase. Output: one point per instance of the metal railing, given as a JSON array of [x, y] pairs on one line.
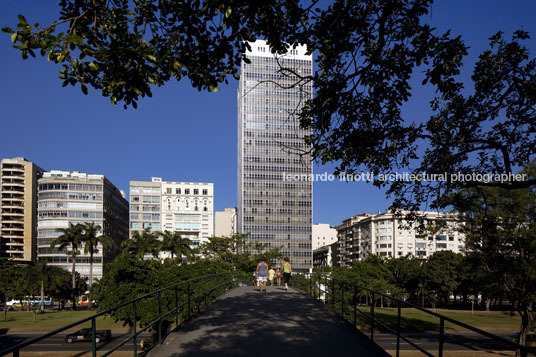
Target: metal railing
[[196, 293], [344, 297]]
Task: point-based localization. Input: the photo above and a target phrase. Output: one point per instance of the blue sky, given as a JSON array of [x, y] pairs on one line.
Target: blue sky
[[181, 134]]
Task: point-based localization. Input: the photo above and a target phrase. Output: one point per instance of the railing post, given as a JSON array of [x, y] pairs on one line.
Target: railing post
[[355, 306], [342, 299], [333, 293], [373, 302], [93, 337], [441, 336], [176, 306], [398, 329], [159, 317], [134, 337], [188, 291]]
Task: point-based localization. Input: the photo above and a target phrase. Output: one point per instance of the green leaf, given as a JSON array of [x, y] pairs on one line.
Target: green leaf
[[228, 12], [84, 89], [151, 58], [92, 66], [7, 30], [22, 20], [14, 38]]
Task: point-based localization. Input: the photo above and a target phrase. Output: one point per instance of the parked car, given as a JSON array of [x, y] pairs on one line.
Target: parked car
[[85, 335], [530, 341]]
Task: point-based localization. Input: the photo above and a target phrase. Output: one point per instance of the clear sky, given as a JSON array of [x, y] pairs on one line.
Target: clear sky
[[181, 134]]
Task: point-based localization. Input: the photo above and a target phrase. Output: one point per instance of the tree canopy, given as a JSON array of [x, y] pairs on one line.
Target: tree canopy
[[368, 55]]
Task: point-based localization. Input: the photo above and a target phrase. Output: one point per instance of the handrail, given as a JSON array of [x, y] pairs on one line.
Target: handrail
[[319, 280], [226, 284]]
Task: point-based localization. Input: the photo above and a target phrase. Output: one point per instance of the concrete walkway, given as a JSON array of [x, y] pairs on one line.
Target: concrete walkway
[[244, 322]]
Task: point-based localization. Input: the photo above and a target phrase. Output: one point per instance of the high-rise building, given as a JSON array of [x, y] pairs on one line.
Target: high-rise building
[[71, 198], [273, 205], [185, 207], [385, 235], [18, 208], [225, 222]]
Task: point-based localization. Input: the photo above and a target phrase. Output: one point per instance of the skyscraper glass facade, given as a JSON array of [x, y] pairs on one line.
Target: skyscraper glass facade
[[274, 206]]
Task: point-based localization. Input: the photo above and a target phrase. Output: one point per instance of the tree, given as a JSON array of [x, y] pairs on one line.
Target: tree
[[500, 226], [91, 241], [70, 236], [441, 274], [369, 55], [174, 243], [141, 243], [43, 274]]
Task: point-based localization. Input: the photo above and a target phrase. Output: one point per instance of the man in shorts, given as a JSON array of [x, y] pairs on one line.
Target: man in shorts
[[261, 273]]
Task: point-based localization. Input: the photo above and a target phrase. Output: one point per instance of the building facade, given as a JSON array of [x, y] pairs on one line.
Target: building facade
[[225, 222], [18, 208], [275, 207], [185, 207], [385, 235], [323, 234], [324, 256], [66, 198]]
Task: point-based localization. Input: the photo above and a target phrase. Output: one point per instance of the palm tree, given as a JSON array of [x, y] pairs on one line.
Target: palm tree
[[173, 242], [91, 240], [44, 274], [141, 243], [70, 236]]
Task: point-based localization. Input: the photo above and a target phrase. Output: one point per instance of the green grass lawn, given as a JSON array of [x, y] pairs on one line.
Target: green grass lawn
[[418, 321], [23, 321]]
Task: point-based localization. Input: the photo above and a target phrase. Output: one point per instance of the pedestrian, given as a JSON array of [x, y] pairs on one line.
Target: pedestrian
[[261, 273], [278, 275], [271, 274], [287, 271]]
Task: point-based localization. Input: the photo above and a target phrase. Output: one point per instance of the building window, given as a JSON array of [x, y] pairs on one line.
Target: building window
[[196, 191], [168, 190], [205, 192], [186, 191], [178, 191]]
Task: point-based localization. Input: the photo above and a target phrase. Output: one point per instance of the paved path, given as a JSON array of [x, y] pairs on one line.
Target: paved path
[[244, 322]]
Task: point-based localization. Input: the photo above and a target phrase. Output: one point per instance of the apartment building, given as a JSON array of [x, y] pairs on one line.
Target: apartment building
[[71, 198], [18, 208], [386, 235], [274, 204], [185, 207]]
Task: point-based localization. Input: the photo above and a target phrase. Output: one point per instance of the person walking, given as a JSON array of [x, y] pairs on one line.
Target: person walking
[[278, 275], [261, 273], [287, 271], [271, 274]]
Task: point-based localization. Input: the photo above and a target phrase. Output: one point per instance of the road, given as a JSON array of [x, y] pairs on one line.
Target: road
[[57, 343]]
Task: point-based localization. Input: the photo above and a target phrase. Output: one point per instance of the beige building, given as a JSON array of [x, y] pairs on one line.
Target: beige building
[[71, 198], [18, 208], [225, 222], [385, 235], [323, 234], [185, 207]]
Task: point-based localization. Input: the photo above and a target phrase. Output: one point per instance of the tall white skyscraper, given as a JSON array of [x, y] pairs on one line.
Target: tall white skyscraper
[[275, 210]]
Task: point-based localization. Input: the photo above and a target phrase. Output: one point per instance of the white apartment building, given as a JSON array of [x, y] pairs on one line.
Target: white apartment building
[[225, 222], [76, 198], [323, 234], [185, 207], [383, 234]]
